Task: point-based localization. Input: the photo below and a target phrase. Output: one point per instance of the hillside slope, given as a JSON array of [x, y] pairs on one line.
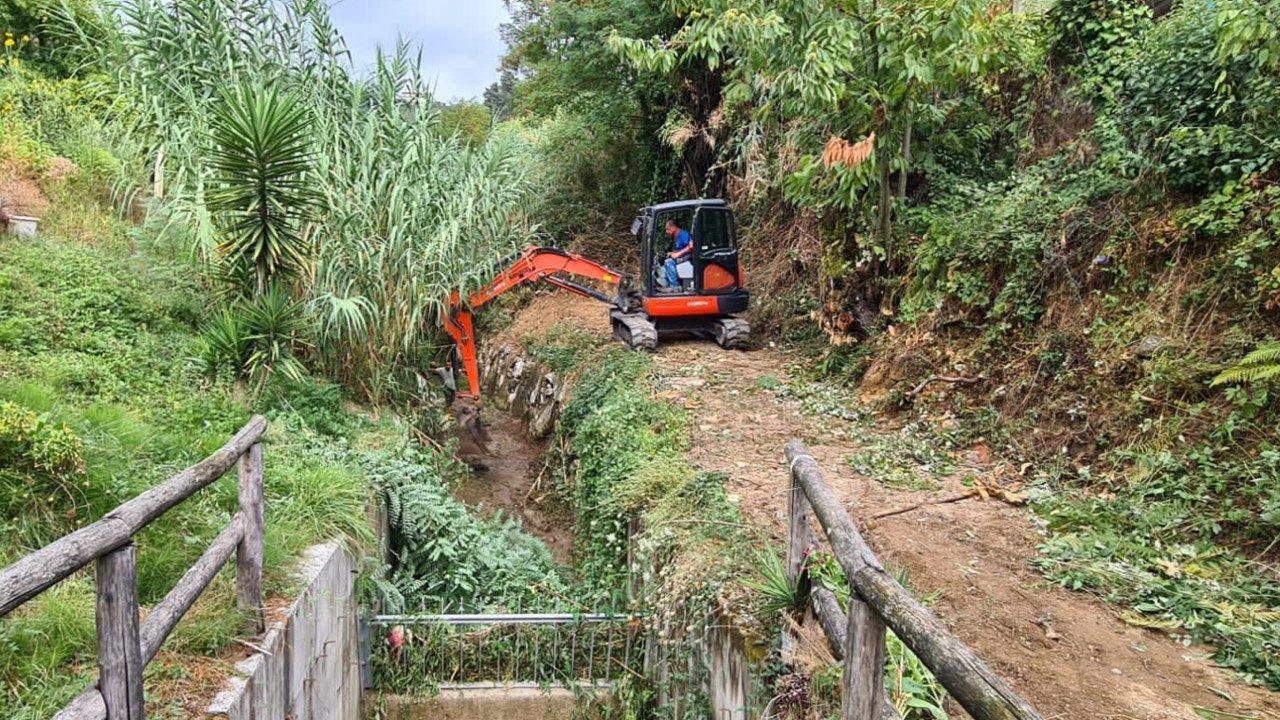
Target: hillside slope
[[1071, 655]]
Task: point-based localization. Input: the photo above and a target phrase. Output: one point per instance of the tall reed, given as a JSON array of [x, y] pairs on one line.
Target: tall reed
[[409, 212]]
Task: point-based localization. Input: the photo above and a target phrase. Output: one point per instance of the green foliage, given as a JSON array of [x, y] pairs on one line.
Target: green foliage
[[1239, 223], [882, 68], [910, 687], [596, 128], [778, 591], [262, 199], [41, 118], [621, 457], [1094, 39], [993, 251], [618, 434], [98, 402], [32, 442], [1201, 94], [1262, 364], [1171, 534], [257, 338], [32, 25], [469, 120], [448, 557], [351, 185], [500, 97]]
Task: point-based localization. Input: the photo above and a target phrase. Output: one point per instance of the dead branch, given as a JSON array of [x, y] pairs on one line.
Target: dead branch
[[941, 378], [916, 506]]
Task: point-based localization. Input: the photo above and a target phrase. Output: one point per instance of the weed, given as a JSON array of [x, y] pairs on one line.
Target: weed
[[99, 401]]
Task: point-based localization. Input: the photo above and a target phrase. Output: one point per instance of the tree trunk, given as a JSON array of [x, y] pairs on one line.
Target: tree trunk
[[906, 159], [884, 208]]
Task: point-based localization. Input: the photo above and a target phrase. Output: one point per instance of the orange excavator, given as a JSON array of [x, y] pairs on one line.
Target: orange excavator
[[704, 300]]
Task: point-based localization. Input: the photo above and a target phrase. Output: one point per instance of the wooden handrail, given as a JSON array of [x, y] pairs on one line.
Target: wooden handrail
[[125, 646], [37, 572], [876, 600], [164, 617]]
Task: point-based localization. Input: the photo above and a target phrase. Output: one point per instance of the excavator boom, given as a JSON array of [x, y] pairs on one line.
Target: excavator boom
[[535, 263]]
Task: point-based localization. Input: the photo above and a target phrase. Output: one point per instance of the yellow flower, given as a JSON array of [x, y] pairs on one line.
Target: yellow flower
[[8, 42], [26, 38]]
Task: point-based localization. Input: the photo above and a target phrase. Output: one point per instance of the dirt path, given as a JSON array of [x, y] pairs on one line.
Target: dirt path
[[1065, 651], [508, 486]]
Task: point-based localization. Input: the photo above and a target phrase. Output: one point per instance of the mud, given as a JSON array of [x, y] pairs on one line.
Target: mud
[[516, 485]]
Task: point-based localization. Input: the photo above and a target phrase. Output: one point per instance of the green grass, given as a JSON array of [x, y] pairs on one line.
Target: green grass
[[96, 343]]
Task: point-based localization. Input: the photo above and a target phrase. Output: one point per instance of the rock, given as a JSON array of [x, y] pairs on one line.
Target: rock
[[1150, 345]]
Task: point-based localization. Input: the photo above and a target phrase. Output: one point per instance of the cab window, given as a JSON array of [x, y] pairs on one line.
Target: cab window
[[664, 243], [713, 230]]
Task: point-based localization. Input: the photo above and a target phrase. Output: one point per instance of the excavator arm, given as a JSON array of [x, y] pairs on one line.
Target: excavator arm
[[535, 263]]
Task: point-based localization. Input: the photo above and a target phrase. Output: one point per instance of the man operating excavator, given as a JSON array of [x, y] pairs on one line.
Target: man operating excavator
[[707, 304], [684, 246]]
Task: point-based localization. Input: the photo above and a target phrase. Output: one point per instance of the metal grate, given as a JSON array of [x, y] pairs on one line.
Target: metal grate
[[411, 652]]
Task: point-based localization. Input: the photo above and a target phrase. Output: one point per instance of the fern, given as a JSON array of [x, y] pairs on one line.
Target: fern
[[1261, 364]]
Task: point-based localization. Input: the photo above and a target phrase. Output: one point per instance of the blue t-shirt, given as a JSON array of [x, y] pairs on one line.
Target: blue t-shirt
[[682, 240]]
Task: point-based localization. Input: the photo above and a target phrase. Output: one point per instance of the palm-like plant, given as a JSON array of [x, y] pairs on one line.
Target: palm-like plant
[[277, 324], [257, 339], [262, 201]]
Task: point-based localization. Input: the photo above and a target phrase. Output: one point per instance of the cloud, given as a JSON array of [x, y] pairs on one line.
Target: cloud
[[460, 43]]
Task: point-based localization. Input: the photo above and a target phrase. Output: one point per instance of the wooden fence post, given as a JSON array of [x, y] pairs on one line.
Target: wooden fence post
[[863, 662], [119, 644], [249, 551], [799, 529]]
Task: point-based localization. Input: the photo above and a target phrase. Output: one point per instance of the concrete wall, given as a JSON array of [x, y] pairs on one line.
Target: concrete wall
[[310, 669], [506, 703]]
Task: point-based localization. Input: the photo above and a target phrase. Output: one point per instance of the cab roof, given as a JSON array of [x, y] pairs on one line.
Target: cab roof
[[684, 204]]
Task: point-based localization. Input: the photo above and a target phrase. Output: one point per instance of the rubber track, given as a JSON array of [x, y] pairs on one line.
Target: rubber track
[[733, 333], [636, 331]]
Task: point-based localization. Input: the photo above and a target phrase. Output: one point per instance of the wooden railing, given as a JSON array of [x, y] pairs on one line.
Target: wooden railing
[[125, 646], [877, 600]]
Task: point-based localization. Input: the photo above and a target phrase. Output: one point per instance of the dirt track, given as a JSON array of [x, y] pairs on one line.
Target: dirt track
[[1068, 653]]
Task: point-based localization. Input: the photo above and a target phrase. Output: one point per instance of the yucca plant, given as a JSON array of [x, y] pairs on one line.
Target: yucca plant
[[262, 201], [779, 592], [277, 325], [257, 339], [1260, 365], [225, 344]]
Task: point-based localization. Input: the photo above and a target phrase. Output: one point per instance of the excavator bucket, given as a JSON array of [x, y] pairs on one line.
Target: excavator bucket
[[473, 435]]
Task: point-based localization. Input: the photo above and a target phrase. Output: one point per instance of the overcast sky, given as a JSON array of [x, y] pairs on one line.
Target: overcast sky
[[460, 43]]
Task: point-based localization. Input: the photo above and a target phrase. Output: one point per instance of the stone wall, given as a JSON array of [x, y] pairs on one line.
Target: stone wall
[[310, 667], [527, 389]]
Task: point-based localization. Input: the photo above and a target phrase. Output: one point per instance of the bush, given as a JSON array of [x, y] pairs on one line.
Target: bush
[[35, 443], [990, 252], [1209, 116], [1092, 38]]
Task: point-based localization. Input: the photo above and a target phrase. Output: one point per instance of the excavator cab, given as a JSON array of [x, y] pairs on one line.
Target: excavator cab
[[708, 291], [712, 268]]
